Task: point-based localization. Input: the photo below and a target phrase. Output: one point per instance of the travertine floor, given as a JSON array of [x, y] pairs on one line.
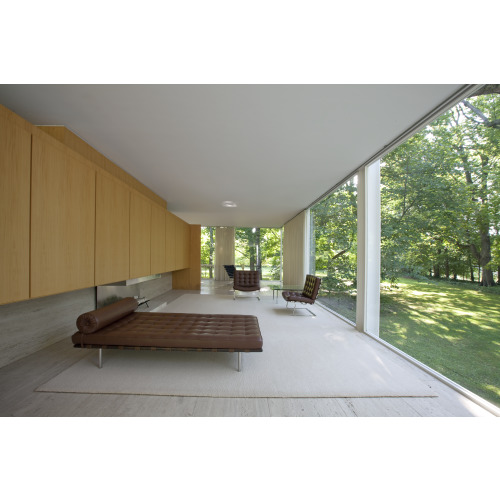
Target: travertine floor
[[19, 380]]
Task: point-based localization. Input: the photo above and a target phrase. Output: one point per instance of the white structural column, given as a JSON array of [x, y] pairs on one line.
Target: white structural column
[[368, 289], [224, 251]]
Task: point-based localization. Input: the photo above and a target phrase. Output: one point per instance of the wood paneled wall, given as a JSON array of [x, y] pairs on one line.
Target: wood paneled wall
[[62, 219], [68, 222], [75, 143], [112, 230], [189, 278], [15, 173], [140, 236], [158, 240]]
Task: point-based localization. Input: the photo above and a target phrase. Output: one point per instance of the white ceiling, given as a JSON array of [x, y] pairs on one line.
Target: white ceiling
[[272, 149]]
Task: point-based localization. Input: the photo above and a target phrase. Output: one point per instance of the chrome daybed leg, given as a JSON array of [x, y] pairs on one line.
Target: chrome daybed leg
[[239, 361], [100, 358]]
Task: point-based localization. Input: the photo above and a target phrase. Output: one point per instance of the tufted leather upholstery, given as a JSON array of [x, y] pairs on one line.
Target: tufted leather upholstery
[[308, 294], [246, 281], [175, 331]]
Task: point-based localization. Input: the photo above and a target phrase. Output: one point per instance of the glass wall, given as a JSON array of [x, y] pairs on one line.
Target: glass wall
[[255, 249], [259, 249], [334, 248], [207, 252], [440, 248]]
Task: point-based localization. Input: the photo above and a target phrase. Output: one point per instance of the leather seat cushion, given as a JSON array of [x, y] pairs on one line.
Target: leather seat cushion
[[296, 297]]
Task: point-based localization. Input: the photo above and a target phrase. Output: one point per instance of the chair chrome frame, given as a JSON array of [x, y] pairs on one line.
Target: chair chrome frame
[[295, 308], [257, 296]]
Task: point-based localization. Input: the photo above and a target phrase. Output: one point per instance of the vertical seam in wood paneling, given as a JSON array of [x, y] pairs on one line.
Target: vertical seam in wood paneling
[[31, 194], [150, 231], [95, 229], [129, 232]]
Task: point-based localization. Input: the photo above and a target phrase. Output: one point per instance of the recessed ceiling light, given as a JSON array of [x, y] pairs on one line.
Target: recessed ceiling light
[[229, 204]]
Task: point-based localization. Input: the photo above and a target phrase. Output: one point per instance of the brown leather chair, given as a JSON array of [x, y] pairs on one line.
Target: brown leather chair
[[246, 281], [307, 296]]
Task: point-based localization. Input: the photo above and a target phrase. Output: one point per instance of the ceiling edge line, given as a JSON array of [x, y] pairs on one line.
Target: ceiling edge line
[[455, 98]]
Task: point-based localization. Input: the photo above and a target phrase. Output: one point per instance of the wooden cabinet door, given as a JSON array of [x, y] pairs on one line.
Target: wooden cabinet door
[[169, 241], [140, 236], [15, 167], [158, 241], [62, 219], [187, 246], [179, 243], [112, 230]]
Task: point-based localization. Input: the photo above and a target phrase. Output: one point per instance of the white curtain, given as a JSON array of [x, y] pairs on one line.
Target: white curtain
[[224, 251], [296, 249]]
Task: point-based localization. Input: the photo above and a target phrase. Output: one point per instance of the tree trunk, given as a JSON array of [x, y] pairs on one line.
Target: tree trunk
[[437, 271], [258, 252], [485, 259], [471, 267], [211, 255], [254, 249], [252, 253], [483, 254]]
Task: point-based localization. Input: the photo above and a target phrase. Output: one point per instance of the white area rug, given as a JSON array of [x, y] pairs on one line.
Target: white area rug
[[303, 357]]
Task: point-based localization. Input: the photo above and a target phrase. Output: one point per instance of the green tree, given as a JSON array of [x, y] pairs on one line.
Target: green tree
[[440, 195], [270, 245], [247, 247], [258, 247], [478, 147], [208, 248], [334, 229]]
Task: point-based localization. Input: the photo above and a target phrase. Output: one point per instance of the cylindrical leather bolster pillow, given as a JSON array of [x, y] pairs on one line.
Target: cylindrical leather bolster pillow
[[93, 321]]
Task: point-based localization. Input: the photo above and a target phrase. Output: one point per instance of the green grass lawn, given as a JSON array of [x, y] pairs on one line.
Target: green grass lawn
[[452, 327]]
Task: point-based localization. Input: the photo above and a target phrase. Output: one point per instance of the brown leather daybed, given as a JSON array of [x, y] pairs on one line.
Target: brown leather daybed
[[118, 326]]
